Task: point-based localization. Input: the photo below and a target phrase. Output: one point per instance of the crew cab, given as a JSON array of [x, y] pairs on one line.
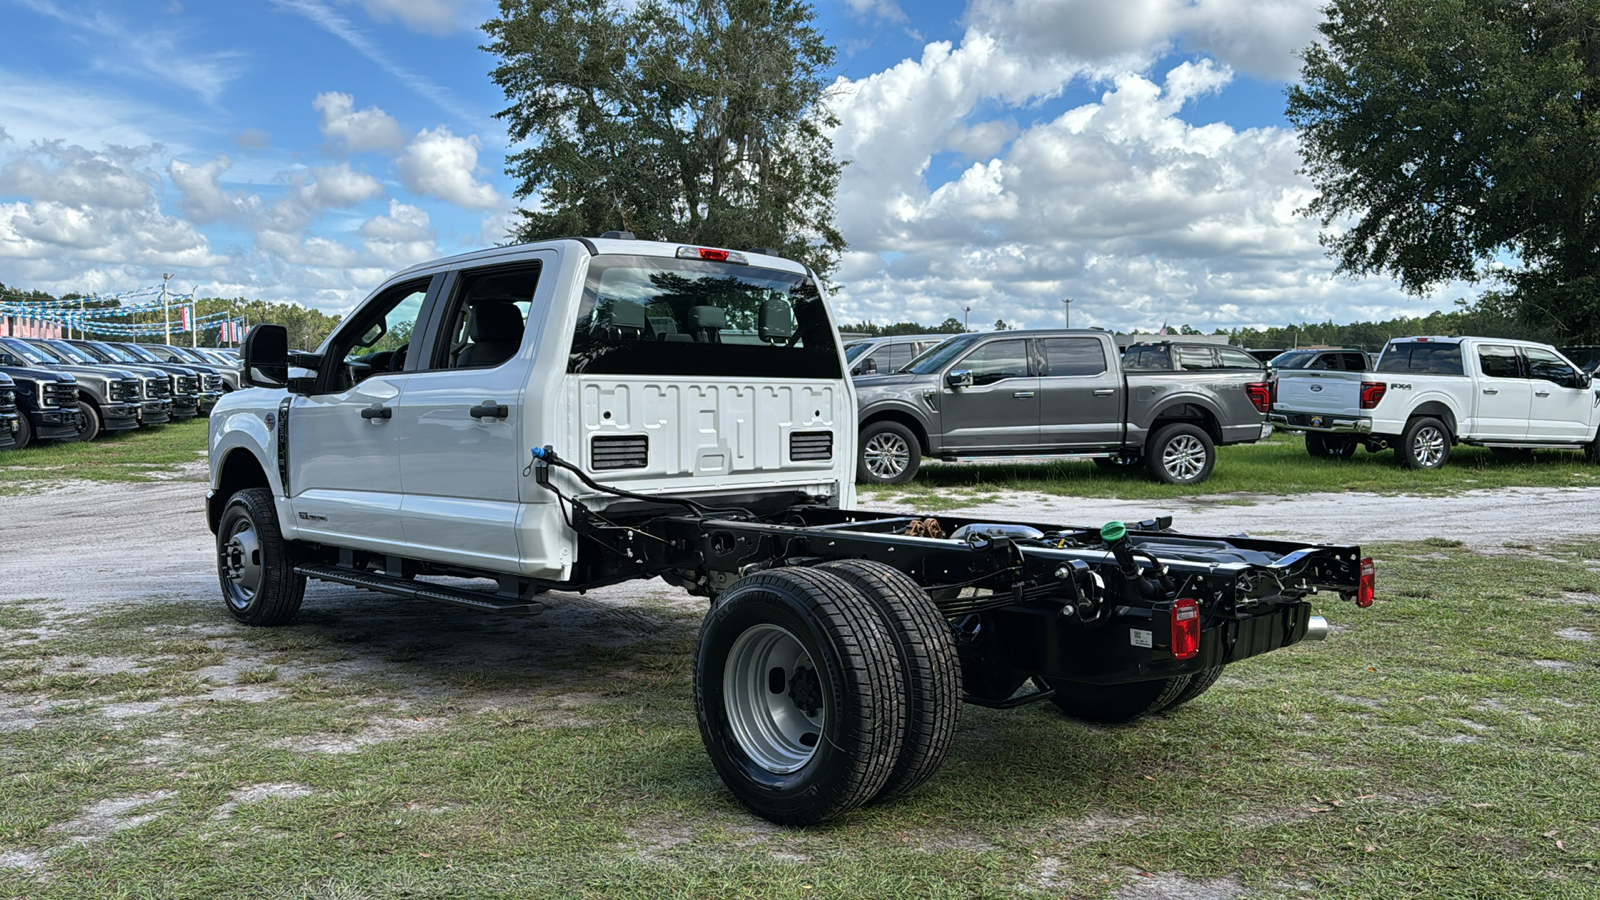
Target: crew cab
[[47, 401], [108, 398], [10, 421], [153, 400], [1059, 393], [557, 416], [1430, 393], [183, 383]]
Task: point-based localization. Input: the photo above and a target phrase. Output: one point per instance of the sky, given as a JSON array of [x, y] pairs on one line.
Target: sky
[[1002, 156]]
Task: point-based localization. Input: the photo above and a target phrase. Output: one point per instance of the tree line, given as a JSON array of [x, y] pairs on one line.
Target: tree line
[[306, 327]]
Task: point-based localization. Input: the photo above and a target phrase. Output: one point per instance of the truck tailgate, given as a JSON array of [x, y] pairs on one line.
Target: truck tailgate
[[1325, 393]]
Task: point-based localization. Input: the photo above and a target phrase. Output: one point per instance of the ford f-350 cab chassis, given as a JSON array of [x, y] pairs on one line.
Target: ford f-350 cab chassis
[[647, 410]]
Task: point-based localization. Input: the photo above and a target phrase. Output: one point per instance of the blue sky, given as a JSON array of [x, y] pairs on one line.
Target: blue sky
[[1004, 154]]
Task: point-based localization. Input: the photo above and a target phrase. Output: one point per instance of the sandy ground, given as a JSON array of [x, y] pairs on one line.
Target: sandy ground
[[85, 544]]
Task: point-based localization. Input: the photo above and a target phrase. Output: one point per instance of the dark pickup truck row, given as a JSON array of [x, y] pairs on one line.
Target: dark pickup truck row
[[77, 390]]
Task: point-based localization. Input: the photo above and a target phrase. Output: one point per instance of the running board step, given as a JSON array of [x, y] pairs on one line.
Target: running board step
[[438, 593]]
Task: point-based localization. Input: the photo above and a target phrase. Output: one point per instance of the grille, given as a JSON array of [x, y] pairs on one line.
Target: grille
[[630, 451], [125, 390], [8, 400], [157, 389], [58, 395], [191, 384], [213, 383], [810, 445]]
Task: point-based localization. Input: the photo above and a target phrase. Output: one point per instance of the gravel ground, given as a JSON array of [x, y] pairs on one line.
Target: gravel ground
[[84, 544]]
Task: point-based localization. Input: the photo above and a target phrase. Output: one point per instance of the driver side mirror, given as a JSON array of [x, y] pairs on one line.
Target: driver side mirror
[[959, 378], [1584, 380], [870, 367], [266, 356]]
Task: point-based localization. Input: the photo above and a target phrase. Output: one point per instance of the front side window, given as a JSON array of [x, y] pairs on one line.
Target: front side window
[[1073, 356], [375, 339], [997, 361], [1546, 366], [644, 315]]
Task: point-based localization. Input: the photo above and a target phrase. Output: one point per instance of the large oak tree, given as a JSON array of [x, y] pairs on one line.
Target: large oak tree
[[1460, 139], [701, 121]]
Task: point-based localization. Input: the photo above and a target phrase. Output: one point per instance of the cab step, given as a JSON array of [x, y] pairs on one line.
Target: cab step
[[400, 587]]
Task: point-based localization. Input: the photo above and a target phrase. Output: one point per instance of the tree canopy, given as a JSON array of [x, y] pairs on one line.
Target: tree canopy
[[700, 121], [1460, 139]]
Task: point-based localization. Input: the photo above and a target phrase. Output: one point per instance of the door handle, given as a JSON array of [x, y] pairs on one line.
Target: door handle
[[377, 411], [1541, 393], [489, 409], [1022, 395], [1105, 392], [1491, 391]]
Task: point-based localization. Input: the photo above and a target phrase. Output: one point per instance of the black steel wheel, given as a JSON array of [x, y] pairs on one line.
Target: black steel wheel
[[1425, 444], [255, 565], [890, 454], [1180, 453], [1113, 704], [88, 422], [930, 669], [799, 695]]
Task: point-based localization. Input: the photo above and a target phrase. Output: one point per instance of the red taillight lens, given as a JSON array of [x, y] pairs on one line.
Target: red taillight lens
[[1371, 393], [1369, 584], [1185, 628], [714, 255], [1260, 394]]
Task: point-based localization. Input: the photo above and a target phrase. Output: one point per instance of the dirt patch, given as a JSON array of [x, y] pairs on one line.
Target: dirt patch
[[379, 731], [1172, 886], [260, 793], [108, 817], [1576, 634]]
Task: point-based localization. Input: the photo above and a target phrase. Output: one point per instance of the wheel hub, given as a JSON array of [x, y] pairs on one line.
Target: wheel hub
[[240, 559], [774, 699], [887, 455], [805, 689], [1184, 457]]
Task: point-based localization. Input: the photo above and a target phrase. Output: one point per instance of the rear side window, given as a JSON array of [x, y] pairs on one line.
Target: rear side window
[[1073, 356], [1422, 358], [1192, 359], [1499, 362], [643, 315]]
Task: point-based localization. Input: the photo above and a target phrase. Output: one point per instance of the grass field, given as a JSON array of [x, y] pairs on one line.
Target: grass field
[[144, 454], [1441, 744]]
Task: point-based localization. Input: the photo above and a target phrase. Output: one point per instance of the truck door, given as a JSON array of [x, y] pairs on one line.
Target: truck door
[[1000, 410], [344, 474], [1560, 411], [1081, 394], [1504, 395], [459, 419]]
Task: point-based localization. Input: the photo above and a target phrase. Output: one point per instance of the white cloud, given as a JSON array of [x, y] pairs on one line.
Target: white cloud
[[439, 164], [337, 186], [430, 16], [357, 131], [401, 238], [880, 9], [56, 171]]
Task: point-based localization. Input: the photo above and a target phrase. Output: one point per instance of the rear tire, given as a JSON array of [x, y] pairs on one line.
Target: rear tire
[[1113, 704], [1122, 462], [1180, 453], [1327, 446], [1199, 683], [1591, 451], [890, 454], [797, 688], [930, 669], [88, 421], [1425, 444], [255, 565]]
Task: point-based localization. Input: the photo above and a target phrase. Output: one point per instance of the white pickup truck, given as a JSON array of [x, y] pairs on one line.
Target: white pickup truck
[[1429, 393], [491, 430]]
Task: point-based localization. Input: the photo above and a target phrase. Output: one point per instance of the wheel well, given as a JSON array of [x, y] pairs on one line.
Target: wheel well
[[1191, 414], [240, 470], [906, 419], [88, 398], [1438, 411]]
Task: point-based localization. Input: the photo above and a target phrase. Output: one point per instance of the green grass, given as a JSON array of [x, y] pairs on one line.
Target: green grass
[[144, 454], [1276, 466], [1439, 744]]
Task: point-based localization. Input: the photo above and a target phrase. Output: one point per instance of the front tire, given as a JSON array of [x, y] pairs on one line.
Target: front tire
[[255, 565], [930, 669], [1114, 704], [1180, 454], [24, 435], [1425, 444], [88, 422], [798, 693], [890, 454]]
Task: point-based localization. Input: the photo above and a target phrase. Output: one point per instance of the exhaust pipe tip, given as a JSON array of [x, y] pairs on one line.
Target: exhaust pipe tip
[[1317, 629]]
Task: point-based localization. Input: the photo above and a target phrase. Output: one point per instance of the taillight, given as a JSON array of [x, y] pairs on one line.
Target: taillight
[[1369, 584], [1185, 628], [1260, 394], [1371, 393]]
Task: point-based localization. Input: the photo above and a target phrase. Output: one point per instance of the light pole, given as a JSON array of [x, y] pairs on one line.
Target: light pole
[[966, 313], [1067, 303]]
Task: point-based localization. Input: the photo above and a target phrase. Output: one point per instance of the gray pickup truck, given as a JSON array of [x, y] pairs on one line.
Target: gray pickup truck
[[1057, 393]]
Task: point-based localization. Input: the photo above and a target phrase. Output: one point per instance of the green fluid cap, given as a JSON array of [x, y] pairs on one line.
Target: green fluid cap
[[1111, 532]]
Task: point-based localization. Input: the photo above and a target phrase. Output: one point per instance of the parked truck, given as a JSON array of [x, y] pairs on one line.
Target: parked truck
[[108, 397], [10, 420], [1058, 393], [563, 415], [1429, 393], [47, 401]]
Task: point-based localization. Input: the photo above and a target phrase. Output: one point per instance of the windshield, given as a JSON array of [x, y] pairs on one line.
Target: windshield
[[1293, 359], [30, 354], [138, 352], [68, 352], [686, 317], [1585, 358], [851, 351], [934, 358], [113, 353]]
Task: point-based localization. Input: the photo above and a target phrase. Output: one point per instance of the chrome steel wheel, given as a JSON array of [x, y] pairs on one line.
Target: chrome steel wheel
[[1184, 457], [1428, 447], [775, 699], [240, 562], [887, 455]]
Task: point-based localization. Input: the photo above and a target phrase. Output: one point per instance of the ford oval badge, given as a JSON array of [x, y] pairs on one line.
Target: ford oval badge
[[1316, 389], [271, 420]]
